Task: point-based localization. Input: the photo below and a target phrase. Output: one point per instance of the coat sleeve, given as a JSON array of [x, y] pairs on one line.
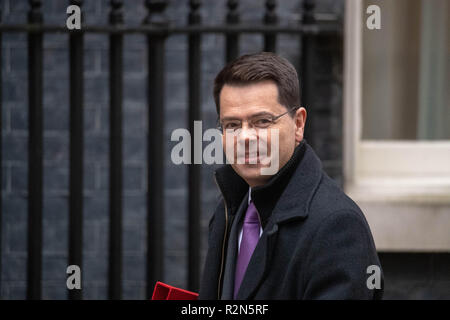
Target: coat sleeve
[[337, 262]]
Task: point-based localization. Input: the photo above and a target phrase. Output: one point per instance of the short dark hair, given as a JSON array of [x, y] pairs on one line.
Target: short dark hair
[[252, 68]]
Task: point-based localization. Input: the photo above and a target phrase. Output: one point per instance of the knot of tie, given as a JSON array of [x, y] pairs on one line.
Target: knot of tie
[[251, 215]]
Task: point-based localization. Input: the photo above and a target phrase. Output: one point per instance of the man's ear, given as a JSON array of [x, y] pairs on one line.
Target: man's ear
[[300, 121]]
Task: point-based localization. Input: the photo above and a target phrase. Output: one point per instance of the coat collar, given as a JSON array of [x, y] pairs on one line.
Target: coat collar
[[296, 197]]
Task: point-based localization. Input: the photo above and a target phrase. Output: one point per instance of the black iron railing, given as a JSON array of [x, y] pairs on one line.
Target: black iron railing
[[157, 29]]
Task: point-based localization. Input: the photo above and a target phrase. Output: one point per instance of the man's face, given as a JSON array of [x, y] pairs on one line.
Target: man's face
[[247, 102]]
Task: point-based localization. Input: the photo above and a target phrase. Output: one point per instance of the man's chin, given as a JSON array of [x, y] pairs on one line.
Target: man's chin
[[251, 173]]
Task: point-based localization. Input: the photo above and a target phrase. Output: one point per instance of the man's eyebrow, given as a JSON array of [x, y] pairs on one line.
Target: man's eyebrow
[[229, 118], [263, 113]]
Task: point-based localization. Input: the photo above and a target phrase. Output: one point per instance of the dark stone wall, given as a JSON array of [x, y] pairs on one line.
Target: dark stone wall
[[416, 276], [327, 103]]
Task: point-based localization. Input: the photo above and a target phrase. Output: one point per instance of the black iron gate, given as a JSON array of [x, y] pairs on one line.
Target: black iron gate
[[156, 28]]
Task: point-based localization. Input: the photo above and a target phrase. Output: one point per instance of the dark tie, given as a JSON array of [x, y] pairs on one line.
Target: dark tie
[[250, 237]]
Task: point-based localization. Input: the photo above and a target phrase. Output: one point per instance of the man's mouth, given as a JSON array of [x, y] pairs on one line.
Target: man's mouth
[[252, 158]]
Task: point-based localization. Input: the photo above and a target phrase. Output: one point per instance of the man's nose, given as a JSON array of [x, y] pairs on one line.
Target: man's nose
[[247, 133], [247, 141]]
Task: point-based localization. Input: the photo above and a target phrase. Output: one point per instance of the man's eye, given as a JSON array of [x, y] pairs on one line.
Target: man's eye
[[231, 125], [263, 122]]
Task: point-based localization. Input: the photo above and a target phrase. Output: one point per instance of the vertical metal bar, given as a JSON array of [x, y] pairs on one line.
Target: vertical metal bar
[[194, 169], [155, 186], [232, 40], [307, 71], [34, 266], [115, 153], [1, 155], [270, 18], [76, 152]]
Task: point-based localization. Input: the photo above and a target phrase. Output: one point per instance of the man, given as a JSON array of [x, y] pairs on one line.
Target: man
[[290, 235]]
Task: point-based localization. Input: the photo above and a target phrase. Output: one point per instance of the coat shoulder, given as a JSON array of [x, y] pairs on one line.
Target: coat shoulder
[[330, 201]]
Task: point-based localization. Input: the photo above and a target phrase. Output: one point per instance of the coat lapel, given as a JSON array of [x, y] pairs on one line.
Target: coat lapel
[[259, 263], [231, 254]]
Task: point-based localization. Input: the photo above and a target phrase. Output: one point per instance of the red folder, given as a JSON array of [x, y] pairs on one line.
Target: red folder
[[163, 291]]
